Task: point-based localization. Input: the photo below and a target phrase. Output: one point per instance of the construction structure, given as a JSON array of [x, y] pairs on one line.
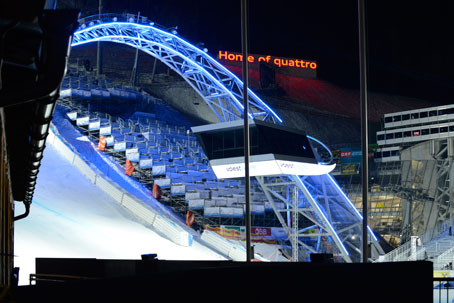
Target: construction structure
[[411, 188]]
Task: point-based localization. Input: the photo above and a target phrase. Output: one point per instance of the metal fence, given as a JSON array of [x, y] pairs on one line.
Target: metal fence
[[443, 290]]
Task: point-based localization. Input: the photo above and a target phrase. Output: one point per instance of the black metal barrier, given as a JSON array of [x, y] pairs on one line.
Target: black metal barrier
[[211, 281]]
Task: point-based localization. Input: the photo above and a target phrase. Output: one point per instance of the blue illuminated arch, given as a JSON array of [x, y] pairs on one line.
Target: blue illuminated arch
[[220, 88]]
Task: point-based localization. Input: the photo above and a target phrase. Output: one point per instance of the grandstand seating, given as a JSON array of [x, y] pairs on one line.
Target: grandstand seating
[[163, 153]]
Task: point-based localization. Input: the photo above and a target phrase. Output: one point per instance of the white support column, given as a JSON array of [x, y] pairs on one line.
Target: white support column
[[295, 214]]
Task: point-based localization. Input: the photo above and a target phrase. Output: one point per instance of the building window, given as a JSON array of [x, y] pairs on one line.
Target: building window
[[407, 134], [405, 117], [396, 118], [415, 116], [416, 133], [447, 111], [397, 135], [425, 131], [389, 136], [432, 113], [380, 137], [444, 129], [434, 130], [423, 115]]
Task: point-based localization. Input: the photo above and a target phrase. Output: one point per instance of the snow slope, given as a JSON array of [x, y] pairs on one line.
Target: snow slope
[[71, 218]]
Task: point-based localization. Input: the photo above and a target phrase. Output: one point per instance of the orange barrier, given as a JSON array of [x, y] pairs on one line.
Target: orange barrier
[[190, 218], [156, 191], [102, 143], [129, 167]]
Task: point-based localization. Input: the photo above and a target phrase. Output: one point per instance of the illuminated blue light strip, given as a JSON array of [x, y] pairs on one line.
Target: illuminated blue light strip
[[351, 204], [167, 49], [221, 68], [306, 228], [323, 215], [325, 147]]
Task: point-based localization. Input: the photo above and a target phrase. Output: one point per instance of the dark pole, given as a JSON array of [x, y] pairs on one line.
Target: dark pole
[[246, 127], [99, 48], [136, 60], [364, 139]]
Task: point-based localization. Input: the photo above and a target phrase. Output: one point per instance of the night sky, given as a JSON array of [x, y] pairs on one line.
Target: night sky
[[410, 45]]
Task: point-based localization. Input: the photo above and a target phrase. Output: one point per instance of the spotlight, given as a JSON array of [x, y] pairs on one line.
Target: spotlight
[[151, 23], [91, 23], [115, 19]]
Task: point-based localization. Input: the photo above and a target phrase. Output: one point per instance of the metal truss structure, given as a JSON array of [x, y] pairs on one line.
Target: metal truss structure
[[335, 223], [219, 87], [445, 173], [427, 190]]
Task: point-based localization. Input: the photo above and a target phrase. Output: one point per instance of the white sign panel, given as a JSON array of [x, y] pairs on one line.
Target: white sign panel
[[72, 115], [131, 151], [94, 125], [133, 157], [120, 146], [271, 167], [109, 141], [304, 169], [105, 130], [146, 163], [82, 121]]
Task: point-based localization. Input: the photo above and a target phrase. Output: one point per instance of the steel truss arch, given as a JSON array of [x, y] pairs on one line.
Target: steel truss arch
[[219, 87]]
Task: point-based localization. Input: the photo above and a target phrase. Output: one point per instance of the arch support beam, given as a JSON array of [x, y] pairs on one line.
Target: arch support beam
[[219, 88]]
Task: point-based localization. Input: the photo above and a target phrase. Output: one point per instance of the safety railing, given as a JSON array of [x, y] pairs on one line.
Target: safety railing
[[443, 290], [400, 253], [445, 260], [169, 229], [437, 230]]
